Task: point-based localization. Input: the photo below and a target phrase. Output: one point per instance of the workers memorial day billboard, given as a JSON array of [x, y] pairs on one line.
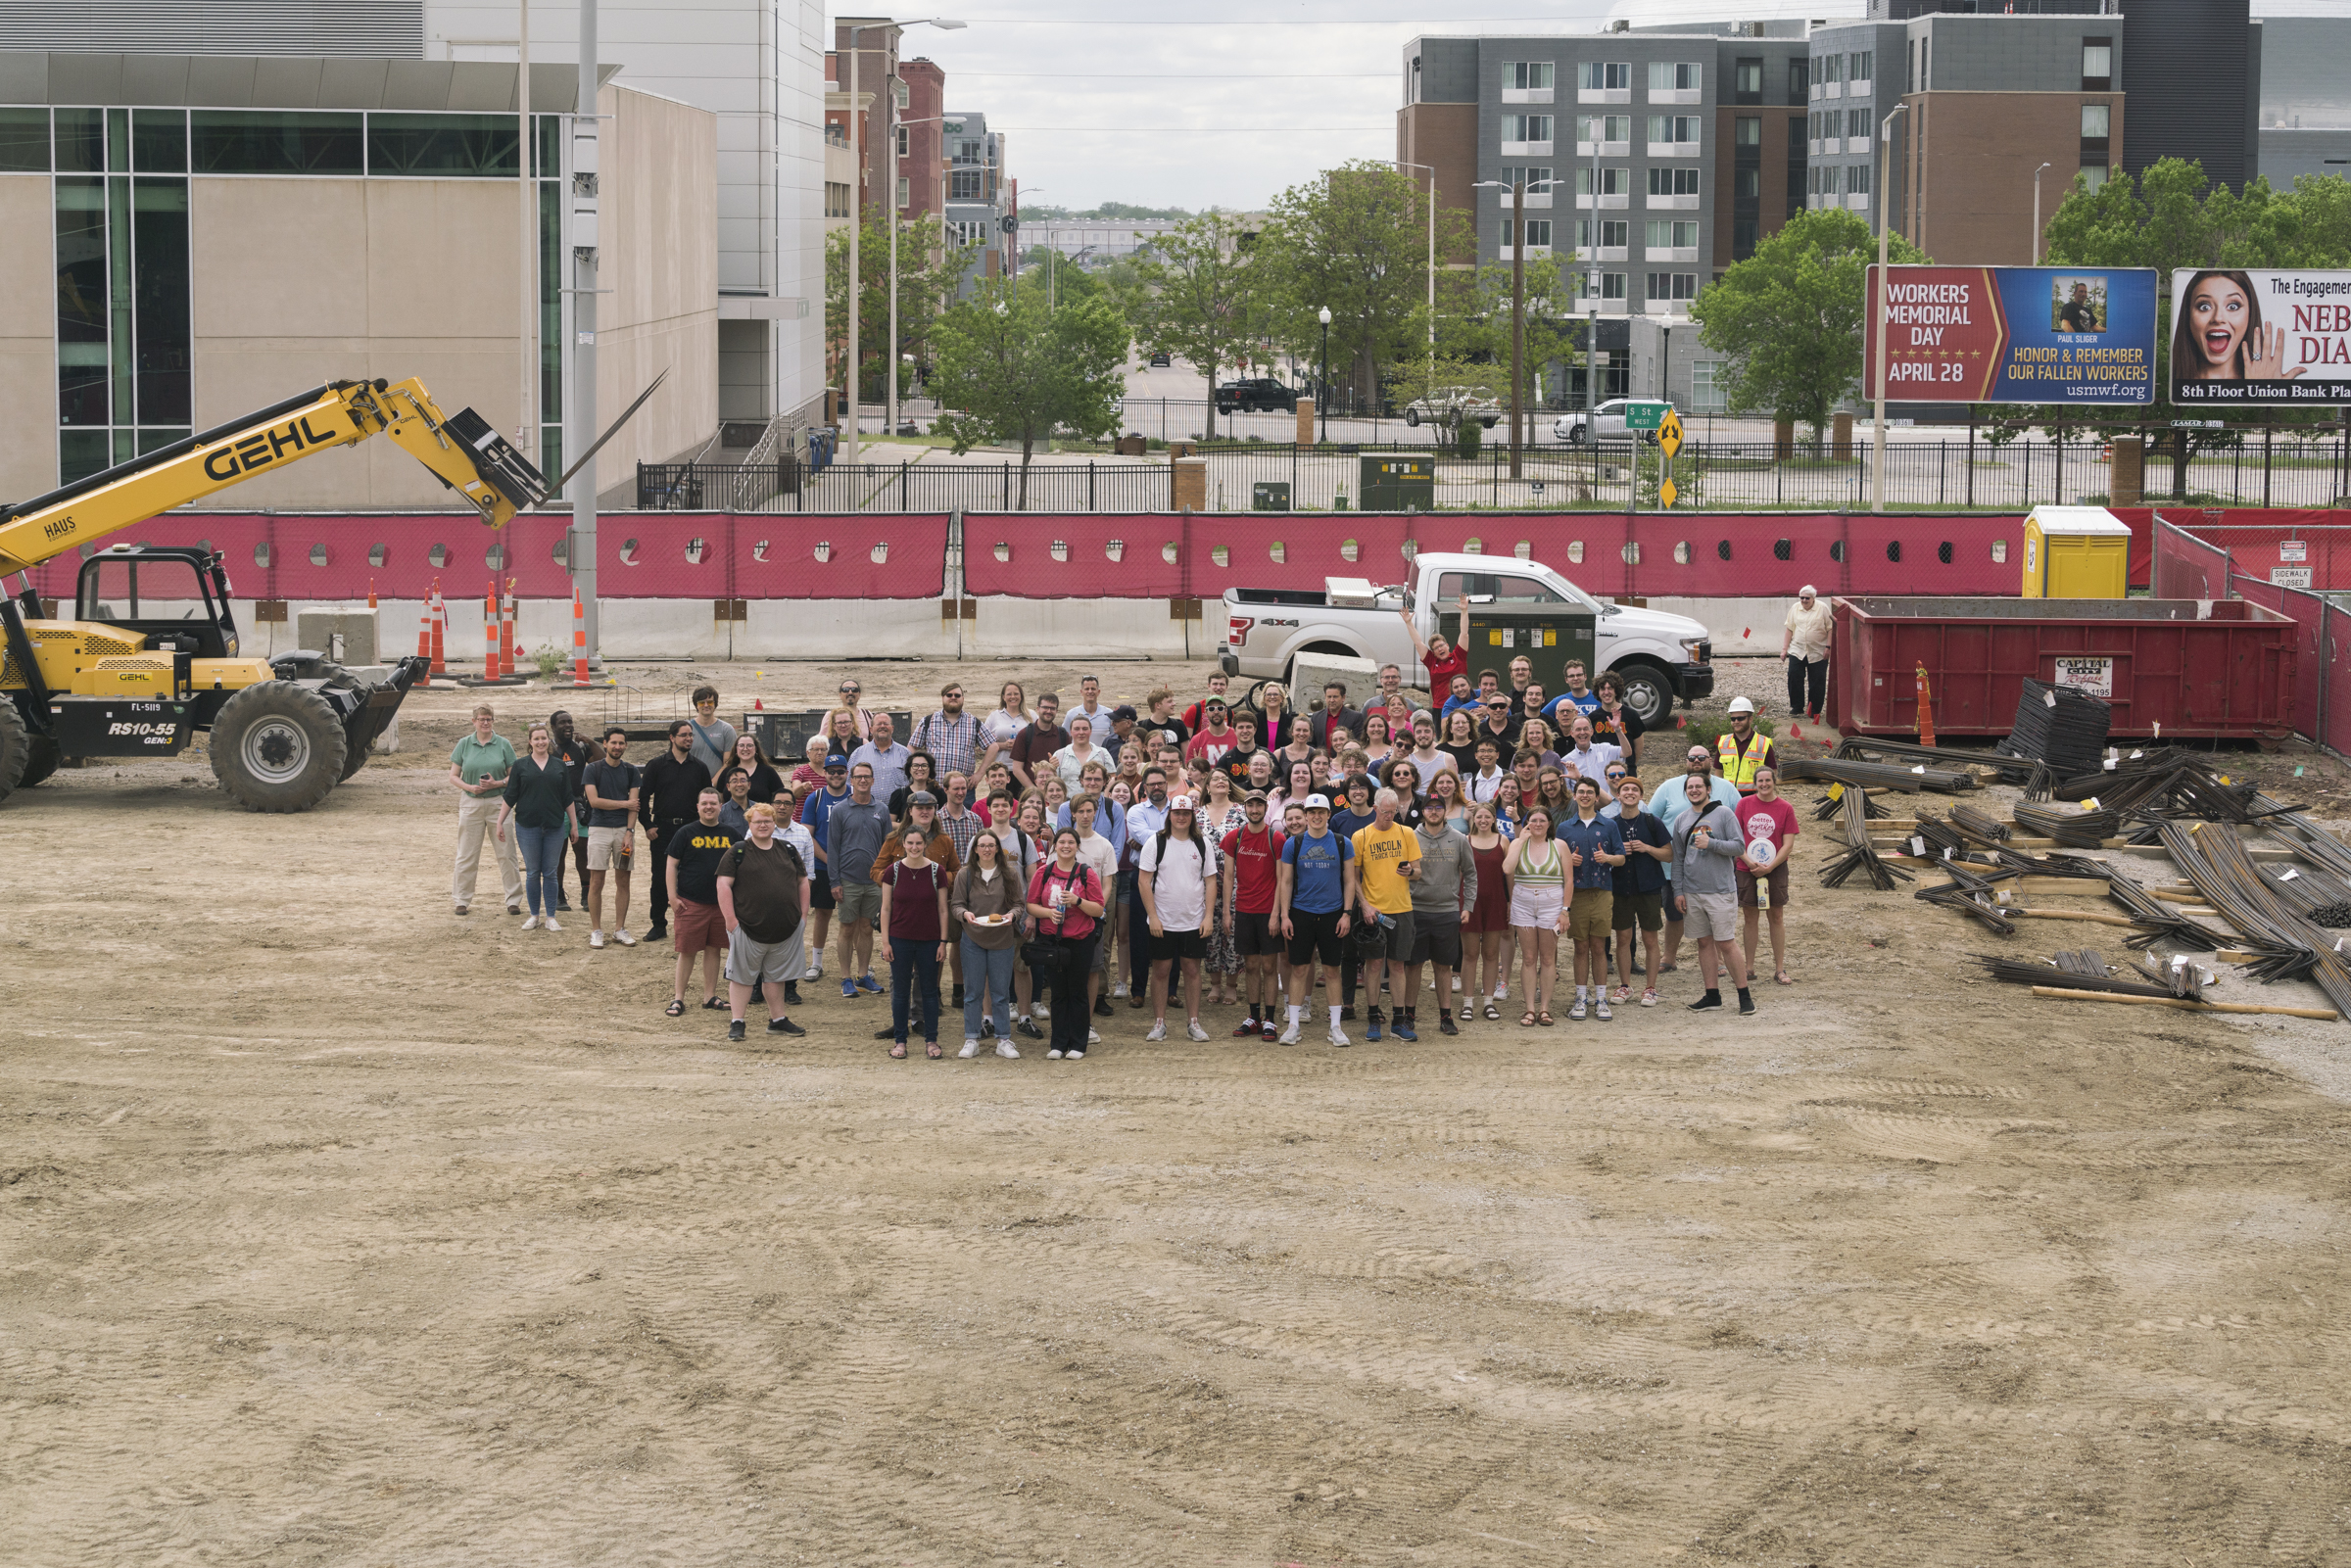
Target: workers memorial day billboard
[[2015, 334], [2260, 337]]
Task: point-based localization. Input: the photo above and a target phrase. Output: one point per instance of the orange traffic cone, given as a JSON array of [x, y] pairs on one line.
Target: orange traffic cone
[[424, 646], [371, 604], [1926, 710], [490, 633], [579, 643], [437, 613]]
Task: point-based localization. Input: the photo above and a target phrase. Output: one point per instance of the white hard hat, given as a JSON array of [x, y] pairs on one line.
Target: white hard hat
[[1742, 705]]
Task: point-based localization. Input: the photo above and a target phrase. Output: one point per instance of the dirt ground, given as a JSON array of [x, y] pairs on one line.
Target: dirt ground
[[335, 1229]]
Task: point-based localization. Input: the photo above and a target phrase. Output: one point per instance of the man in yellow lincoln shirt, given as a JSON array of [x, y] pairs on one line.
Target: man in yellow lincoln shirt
[[1387, 857]]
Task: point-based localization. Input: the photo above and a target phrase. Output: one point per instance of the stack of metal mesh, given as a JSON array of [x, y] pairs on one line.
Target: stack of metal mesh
[[2063, 725]]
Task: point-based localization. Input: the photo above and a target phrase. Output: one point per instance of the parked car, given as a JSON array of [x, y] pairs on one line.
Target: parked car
[[1571, 428], [1256, 395], [1160, 362], [1447, 406], [1659, 656]]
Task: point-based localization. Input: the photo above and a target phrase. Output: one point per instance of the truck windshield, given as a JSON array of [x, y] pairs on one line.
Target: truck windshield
[[1532, 584]]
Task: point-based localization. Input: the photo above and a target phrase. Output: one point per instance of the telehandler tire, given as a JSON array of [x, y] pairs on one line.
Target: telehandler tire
[[16, 747], [278, 746], [41, 762]]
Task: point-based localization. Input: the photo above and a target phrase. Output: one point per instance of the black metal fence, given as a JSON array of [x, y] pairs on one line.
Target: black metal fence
[[1959, 475]]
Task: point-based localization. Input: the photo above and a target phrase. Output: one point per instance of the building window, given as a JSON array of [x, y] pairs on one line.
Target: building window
[[2095, 118], [1613, 180], [1742, 238], [1828, 68], [1523, 128], [1858, 65], [1799, 80], [966, 151], [1672, 182], [1856, 179], [1707, 394], [963, 185], [1527, 76], [1668, 129], [1672, 233], [1538, 232], [1910, 69], [2094, 176], [1613, 76], [905, 193], [1747, 81], [442, 146], [123, 286], [2098, 65], [1747, 130], [1612, 128], [1856, 123], [1613, 232], [1748, 184], [1536, 175], [1673, 285], [1673, 76], [899, 91], [1611, 285], [1926, 79]]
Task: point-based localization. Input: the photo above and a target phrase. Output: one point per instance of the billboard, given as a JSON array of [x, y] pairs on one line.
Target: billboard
[[2015, 334], [2248, 336]]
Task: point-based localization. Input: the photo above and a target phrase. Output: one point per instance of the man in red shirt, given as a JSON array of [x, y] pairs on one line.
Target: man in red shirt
[[1215, 737], [1442, 659], [1765, 818], [1254, 851]]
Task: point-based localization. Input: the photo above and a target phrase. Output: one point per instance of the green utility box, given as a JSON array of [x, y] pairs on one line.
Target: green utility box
[[1269, 495], [1395, 484], [1546, 635]]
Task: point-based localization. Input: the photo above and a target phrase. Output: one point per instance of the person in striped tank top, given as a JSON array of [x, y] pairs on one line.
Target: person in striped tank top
[[1538, 875]]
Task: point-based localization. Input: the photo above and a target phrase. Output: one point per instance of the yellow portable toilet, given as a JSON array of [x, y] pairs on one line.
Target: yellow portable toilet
[[2076, 553]]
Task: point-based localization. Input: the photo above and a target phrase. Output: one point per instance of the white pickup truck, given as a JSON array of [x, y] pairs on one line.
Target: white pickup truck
[[1659, 656]]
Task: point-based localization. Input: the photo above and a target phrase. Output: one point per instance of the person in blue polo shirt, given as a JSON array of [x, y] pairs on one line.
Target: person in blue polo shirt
[[1594, 847]]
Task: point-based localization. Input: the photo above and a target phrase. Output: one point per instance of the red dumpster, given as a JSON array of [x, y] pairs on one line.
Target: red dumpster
[[2198, 668]]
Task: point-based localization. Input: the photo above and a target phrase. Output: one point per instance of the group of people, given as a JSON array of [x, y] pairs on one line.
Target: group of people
[[1037, 864]]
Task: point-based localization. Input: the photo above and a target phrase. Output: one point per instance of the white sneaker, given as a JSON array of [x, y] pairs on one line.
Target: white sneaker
[[1159, 1031], [1338, 1036], [1289, 1037], [1502, 993], [1092, 1036], [970, 1049], [596, 939], [1118, 988], [1004, 1048], [531, 923], [1037, 1008], [1053, 1054], [816, 971], [813, 972], [1195, 1030], [1457, 979], [624, 938], [549, 923]]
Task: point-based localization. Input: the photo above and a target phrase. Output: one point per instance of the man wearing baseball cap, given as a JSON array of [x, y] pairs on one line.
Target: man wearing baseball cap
[[1672, 799], [1216, 737], [1744, 749], [815, 811], [1177, 873], [1310, 905]]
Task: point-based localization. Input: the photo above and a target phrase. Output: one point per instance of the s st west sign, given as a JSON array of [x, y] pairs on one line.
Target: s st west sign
[[2013, 334]]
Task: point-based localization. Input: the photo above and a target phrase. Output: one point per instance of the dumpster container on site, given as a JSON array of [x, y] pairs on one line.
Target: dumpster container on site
[[2198, 668], [2076, 553]]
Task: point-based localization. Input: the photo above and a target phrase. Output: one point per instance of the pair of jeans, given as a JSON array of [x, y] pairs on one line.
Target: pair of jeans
[[987, 988], [542, 865], [1804, 672], [913, 977], [1070, 1019]]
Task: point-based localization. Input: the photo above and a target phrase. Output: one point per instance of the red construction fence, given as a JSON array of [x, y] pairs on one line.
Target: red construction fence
[[2252, 555]]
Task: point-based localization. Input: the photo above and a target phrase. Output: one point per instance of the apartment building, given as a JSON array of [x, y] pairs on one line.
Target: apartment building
[[981, 198], [2305, 115]]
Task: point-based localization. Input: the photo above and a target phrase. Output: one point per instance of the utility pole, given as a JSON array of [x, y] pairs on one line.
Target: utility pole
[[526, 439], [1877, 437], [1517, 314], [579, 410]]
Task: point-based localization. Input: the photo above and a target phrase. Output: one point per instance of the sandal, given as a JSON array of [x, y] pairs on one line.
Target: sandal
[[1544, 1018], [898, 1052], [712, 1002], [1527, 1021], [1783, 979], [931, 1048], [676, 1010], [1493, 1012]]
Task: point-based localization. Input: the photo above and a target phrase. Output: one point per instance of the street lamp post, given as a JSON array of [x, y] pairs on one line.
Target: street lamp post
[[2037, 215], [1877, 437], [857, 211], [1517, 237], [1323, 384]]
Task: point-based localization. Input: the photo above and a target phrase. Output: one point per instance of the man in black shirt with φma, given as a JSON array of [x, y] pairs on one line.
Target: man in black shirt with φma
[[576, 751], [673, 783]]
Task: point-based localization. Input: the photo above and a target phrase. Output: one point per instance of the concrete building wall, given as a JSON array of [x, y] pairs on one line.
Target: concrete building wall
[[28, 339], [662, 259]]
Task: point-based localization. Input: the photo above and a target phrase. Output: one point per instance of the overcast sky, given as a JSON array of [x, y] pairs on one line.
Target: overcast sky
[[1240, 98], [1235, 102]]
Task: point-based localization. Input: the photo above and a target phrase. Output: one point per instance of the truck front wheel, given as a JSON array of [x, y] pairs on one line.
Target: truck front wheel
[[1648, 691], [278, 746]]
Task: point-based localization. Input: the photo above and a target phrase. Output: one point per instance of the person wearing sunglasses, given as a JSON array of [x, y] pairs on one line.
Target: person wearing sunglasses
[[852, 701]]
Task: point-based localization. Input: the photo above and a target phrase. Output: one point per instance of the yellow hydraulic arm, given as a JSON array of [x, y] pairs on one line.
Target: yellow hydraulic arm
[[461, 450]]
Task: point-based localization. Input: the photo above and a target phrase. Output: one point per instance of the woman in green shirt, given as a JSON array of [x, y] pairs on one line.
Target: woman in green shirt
[[538, 797]]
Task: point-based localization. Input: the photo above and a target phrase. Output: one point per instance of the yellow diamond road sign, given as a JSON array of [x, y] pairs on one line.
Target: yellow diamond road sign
[[1669, 434], [1667, 493]]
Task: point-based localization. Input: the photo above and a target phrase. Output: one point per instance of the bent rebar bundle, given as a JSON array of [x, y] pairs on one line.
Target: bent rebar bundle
[[1859, 855], [1869, 748], [2168, 781], [1833, 806], [2284, 944], [2159, 922], [2085, 969], [2074, 829], [1878, 775], [1973, 896]]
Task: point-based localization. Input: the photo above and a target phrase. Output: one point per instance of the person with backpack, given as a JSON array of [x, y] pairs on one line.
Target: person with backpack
[[763, 897], [1177, 873], [1065, 895], [914, 931]]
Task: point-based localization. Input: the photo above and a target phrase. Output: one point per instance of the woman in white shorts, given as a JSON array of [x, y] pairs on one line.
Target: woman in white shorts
[[1538, 874]]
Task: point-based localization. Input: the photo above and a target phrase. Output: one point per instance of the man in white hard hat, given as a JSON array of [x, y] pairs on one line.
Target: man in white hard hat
[[1804, 645], [1743, 748]]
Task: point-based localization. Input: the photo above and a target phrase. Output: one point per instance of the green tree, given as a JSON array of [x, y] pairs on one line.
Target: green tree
[[1474, 328], [1196, 298], [2173, 217], [1015, 368], [1353, 240], [928, 269], [1788, 319]]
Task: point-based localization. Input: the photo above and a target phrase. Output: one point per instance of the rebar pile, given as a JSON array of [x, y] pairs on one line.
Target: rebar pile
[[2182, 977], [2084, 971], [1833, 806], [2317, 896], [2159, 922], [2039, 783], [2311, 841], [2168, 781], [1859, 855], [1973, 896], [1878, 775], [2284, 945], [1870, 748], [2074, 829], [1976, 825], [2061, 725]]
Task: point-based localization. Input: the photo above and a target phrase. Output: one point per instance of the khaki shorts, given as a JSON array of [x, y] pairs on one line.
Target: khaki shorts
[[1592, 914], [604, 849], [1711, 916], [859, 900], [1774, 889]]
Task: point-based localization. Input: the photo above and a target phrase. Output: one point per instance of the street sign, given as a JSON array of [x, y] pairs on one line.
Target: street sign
[[1667, 493], [1670, 433], [1642, 414]]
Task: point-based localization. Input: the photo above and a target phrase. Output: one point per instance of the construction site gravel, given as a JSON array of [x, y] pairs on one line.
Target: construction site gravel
[[335, 1229]]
